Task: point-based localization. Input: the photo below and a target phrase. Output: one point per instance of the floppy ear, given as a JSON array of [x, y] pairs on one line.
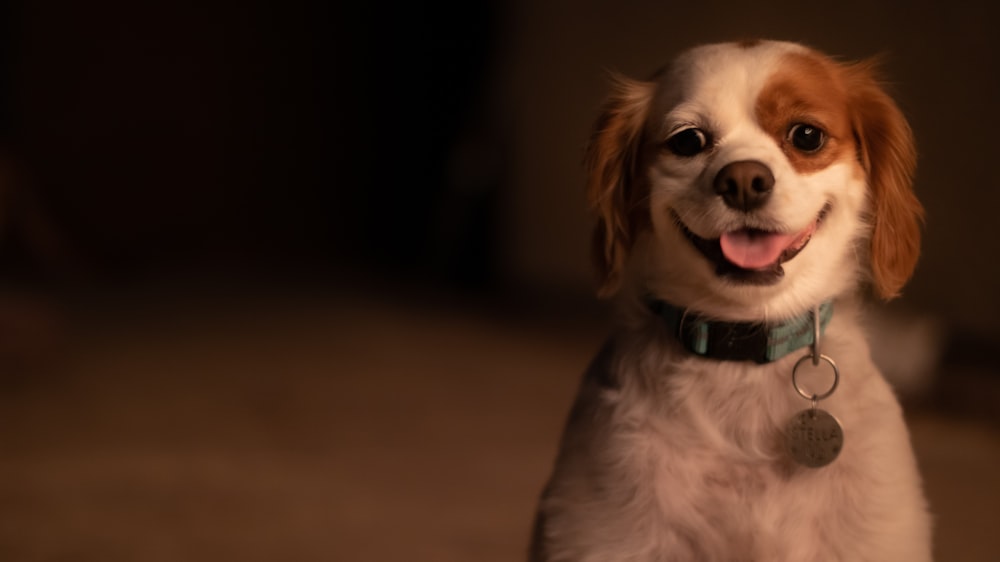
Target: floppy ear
[[612, 188], [888, 155]]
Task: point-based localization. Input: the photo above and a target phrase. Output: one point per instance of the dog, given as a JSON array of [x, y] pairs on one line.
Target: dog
[[748, 198]]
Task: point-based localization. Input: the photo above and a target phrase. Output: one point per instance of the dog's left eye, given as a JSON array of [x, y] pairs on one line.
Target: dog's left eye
[[687, 142], [806, 137]]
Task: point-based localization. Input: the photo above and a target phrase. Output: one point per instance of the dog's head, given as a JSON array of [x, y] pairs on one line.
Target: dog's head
[[751, 179]]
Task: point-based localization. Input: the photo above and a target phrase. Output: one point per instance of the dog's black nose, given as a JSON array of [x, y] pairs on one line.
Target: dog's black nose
[[744, 185]]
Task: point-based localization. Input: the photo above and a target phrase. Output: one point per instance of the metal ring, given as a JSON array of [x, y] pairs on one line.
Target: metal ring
[[816, 355], [815, 397]]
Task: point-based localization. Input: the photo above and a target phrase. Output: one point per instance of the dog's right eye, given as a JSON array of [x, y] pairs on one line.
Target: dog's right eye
[[687, 142]]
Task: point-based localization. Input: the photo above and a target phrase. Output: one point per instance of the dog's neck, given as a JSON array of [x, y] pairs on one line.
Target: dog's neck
[[739, 341]]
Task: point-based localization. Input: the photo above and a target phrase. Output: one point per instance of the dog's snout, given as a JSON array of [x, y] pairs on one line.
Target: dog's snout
[[744, 185]]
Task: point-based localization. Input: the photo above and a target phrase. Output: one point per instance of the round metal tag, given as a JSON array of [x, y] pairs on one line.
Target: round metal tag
[[814, 438]]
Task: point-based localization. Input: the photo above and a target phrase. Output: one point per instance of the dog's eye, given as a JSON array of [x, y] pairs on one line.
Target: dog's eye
[[806, 137], [687, 142]]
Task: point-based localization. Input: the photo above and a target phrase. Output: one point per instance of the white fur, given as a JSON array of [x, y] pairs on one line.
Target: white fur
[[681, 459]]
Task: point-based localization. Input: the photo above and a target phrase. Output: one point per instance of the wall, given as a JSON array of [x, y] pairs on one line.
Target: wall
[[441, 141]]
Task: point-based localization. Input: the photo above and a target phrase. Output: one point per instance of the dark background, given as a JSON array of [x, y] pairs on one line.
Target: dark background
[[438, 145], [164, 136], [243, 245], [440, 140]]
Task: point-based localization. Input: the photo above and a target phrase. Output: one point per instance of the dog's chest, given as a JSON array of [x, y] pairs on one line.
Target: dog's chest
[[719, 503], [710, 457], [666, 459]]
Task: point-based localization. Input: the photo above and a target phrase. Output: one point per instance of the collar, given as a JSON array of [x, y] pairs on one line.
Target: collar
[[739, 341]]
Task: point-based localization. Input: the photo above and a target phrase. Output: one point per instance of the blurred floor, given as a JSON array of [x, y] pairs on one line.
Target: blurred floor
[[311, 426]]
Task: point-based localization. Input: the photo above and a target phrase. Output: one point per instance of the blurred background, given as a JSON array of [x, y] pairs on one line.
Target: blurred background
[[309, 281]]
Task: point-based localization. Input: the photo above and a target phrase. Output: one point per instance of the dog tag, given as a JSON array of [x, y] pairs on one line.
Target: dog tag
[[814, 438]]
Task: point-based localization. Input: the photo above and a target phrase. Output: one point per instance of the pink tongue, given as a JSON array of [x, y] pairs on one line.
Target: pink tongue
[[755, 249]]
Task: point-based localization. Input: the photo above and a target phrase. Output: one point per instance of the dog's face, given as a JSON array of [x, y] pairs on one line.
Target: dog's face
[[753, 179]]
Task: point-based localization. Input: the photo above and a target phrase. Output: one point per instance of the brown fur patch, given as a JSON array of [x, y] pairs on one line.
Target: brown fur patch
[[889, 157], [807, 89], [616, 197], [861, 121]]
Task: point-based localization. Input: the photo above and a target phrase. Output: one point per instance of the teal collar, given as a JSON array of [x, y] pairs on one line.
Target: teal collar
[[739, 341]]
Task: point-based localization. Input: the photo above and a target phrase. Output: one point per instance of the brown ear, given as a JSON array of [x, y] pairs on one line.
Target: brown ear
[[889, 157], [612, 189]]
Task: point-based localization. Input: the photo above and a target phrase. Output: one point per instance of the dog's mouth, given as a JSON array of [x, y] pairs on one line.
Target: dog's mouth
[[753, 256]]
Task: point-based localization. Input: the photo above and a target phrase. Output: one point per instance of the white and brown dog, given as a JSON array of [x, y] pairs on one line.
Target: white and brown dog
[[743, 196]]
